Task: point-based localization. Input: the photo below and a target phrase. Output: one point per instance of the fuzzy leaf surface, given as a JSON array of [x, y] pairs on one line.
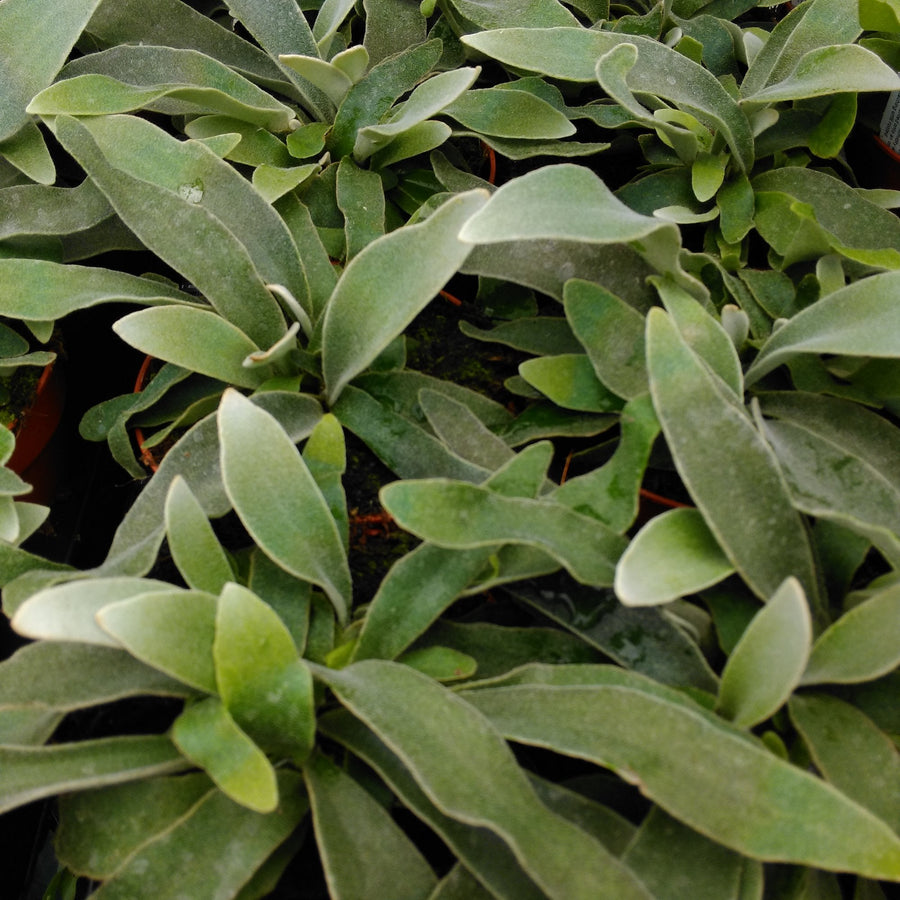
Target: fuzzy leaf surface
[[673, 555], [364, 852], [288, 517], [30, 773], [384, 287], [765, 666], [725, 464], [751, 801], [438, 736]]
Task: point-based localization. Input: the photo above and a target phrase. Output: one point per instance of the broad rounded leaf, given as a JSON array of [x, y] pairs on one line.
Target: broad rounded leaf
[[766, 665], [673, 555], [208, 736], [170, 630], [559, 202], [569, 381], [200, 341], [862, 645]]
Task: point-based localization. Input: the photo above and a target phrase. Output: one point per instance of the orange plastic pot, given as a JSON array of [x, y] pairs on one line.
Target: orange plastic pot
[[36, 458]]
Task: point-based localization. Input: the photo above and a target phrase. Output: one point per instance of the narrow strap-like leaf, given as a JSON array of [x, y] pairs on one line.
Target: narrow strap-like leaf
[[435, 734], [30, 773], [289, 518], [730, 472], [364, 852], [744, 796]]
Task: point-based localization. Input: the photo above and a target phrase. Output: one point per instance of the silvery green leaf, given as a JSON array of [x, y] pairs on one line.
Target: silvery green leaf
[[463, 432], [100, 829], [289, 518], [572, 54], [861, 319], [364, 852], [66, 612], [178, 25], [360, 197], [95, 675], [768, 661], [826, 71], [673, 555], [196, 550], [280, 27], [558, 202], [818, 25], [27, 151], [861, 645], [124, 79], [565, 204], [483, 15], [385, 286], [703, 333], [480, 850], [171, 630], [426, 100], [264, 685], [333, 82], [44, 291], [737, 799], [463, 516], [31, 209], [31, 773], [610, 492], [678, 863], [35, 39], [207, 735], [838, 217], [195, 339], [509, 113], [569, 381], [851, 752], [371, 98], [182, 188], [405, 447], [329, 18], [216, 834], [424, 582], [434, 733], [612, 332], [392, 26], [727, 467]]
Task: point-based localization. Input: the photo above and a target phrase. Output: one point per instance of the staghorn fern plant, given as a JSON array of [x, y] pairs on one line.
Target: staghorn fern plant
[[566, 700]]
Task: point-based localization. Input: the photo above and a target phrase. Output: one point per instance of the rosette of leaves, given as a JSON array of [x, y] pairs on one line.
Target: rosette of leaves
[[314, 142], [726, 114], [277, 697]]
